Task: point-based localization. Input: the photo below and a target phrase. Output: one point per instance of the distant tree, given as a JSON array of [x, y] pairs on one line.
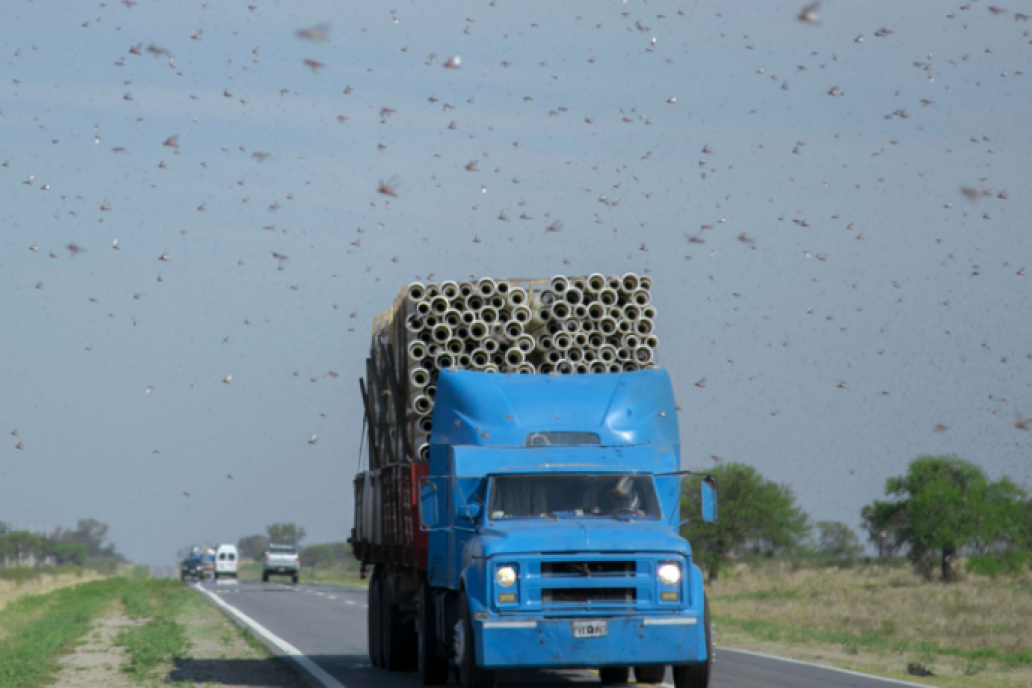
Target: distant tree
[[90, 533], [945, 504], [325, 554], [1026, 528], [836, 539], [21, 544], [755, 514], [252, 546], [314, 555], [886, 526], [285, 534], [69, 553]]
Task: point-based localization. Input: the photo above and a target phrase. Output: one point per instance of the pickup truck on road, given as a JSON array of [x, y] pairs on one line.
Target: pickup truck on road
[[281, 560]]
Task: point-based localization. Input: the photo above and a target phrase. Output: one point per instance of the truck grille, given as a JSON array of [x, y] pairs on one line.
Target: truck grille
[[587, 569], [588, 595]]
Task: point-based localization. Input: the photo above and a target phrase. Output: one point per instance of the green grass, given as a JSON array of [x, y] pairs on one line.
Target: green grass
[[877, 642], [161, 639], [136, 598], [760, 595], [38, 627]]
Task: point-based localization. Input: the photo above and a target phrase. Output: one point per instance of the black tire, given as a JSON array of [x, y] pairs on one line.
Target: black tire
[[471, 675], [399, 633], [610, 675], [697, 674], [649, 674], [265, 577], [433, 669], [294, 579], [373, 629], [215, 576]]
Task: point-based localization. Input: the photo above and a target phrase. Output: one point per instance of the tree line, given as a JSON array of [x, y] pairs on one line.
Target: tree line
[[943, 507], [84, 545]]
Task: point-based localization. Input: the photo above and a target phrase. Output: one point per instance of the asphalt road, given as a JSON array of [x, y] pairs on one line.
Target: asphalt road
[[327, 625]]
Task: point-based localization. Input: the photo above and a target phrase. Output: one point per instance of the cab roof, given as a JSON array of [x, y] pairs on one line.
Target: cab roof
[[511, 410]]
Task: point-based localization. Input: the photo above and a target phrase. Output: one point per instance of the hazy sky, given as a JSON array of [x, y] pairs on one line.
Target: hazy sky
[[849, 309]]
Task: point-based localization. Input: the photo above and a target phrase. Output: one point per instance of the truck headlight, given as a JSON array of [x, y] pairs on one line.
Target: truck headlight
[[669, 574], [505, 576]]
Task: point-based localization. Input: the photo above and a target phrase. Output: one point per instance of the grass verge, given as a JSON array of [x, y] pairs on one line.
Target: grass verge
[[38, 627], [974, 633], [162, 638]]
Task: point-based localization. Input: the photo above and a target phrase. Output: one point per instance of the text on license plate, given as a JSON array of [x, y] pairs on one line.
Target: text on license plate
[[589, 629]]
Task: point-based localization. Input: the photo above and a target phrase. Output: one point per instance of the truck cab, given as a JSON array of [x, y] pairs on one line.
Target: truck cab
[[552, 508]]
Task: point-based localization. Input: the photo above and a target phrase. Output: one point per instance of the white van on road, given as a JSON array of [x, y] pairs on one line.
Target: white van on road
[[226, 561]]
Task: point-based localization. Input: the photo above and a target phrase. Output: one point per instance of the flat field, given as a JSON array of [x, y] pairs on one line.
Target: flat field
[[878, 619]]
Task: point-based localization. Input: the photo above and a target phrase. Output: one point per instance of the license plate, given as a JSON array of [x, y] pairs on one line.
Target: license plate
[[590, 629]]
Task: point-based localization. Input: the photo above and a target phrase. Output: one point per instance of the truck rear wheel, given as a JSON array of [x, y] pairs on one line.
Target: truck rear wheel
[[399, 633], [649, 674], [470, 675], [433, 669], [373, 630], [697, 674], [615, 675]]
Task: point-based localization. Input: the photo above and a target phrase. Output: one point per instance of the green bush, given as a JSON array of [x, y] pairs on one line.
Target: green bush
[[1010, 564]]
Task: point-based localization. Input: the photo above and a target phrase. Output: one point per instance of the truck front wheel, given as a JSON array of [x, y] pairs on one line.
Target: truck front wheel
[[697, 674], [470, 675]]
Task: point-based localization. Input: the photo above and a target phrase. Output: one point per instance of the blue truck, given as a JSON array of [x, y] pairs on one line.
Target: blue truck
[[539, 530]]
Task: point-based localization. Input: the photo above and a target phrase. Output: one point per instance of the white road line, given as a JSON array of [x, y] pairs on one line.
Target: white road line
[[311, 667], [897, 681]]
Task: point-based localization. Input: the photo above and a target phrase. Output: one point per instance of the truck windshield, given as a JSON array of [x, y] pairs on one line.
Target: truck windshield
[[565, 495]]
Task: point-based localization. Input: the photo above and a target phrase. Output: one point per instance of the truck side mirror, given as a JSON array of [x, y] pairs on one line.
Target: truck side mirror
[[468, 512], [709, 499], [428, 519]]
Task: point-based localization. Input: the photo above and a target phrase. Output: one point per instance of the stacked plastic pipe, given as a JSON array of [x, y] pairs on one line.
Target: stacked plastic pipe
[[565, 325]]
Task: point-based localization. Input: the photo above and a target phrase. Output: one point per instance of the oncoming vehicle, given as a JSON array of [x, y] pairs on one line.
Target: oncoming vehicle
[[191, 567], [521, 507], [281, 560], [226, 561]]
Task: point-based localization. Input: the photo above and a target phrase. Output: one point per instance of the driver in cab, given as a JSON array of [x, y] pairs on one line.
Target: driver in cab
[[622, 498]]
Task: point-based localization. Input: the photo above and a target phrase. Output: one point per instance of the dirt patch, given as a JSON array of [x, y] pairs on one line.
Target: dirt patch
[[219, 654], [97, 662]]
